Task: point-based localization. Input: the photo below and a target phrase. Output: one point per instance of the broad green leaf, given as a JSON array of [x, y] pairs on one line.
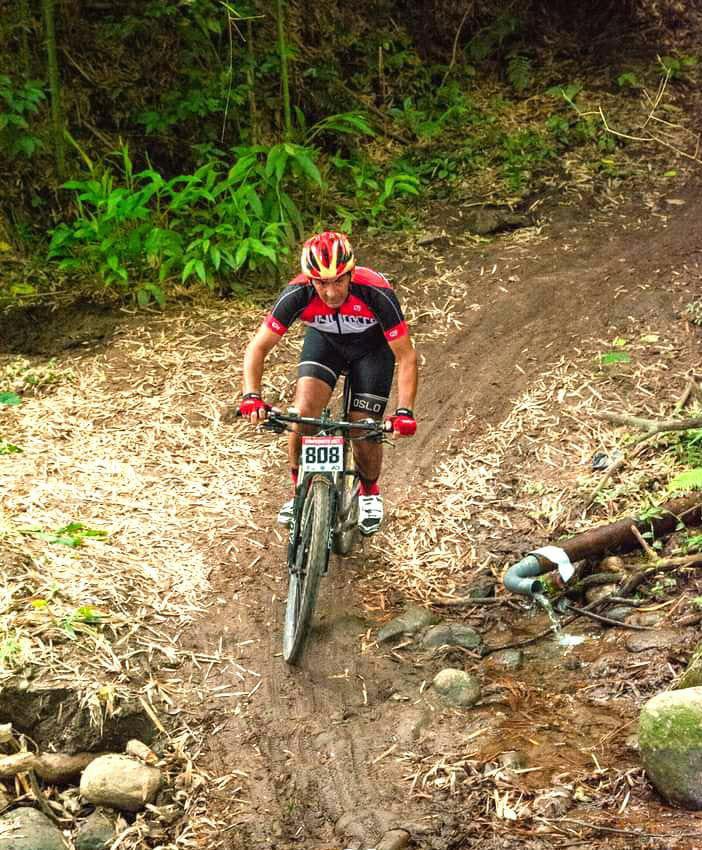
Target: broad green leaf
[[200, 270], [308, 167], [9, 448], [612, 357], [242, 252]]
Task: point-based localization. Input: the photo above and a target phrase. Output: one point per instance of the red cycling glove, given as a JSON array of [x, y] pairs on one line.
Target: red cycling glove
[[403, 422], [252, 403]]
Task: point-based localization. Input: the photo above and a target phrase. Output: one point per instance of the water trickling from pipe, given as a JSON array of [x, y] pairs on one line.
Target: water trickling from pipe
[[548, 608]]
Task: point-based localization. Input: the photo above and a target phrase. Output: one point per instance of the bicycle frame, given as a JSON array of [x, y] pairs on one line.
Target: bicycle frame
[[320, 517]]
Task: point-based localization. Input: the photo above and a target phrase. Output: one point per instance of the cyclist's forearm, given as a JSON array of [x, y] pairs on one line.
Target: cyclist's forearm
[[253, 371], [407, 381], [254, 358]]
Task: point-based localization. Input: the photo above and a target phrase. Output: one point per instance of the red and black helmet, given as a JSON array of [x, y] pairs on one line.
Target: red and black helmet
[[327, 255]]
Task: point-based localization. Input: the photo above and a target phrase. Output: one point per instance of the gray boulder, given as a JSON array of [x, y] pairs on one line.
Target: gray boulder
[[655, 639], [670, 741], [692, 676], [120, 783], [506, 659], [97, 832], [457, 687], [452, 634], [413, 620], [29, 829]]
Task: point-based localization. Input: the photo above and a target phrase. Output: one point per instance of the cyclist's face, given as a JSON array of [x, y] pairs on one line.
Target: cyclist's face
[[333, 292]]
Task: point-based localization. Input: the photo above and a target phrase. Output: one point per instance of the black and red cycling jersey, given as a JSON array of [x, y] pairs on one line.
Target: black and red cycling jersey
[[371, 306]]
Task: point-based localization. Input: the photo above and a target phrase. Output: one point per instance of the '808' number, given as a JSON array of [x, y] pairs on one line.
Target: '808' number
[[322, 455]]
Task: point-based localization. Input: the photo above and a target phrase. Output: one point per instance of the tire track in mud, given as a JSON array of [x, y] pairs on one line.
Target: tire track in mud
[[333, 696]]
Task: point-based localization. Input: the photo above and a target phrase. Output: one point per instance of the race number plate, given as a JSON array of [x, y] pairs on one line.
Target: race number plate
[[322, 454]]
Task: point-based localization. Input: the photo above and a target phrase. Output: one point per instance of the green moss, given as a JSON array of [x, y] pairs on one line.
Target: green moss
[[692, 677], [671, 727]]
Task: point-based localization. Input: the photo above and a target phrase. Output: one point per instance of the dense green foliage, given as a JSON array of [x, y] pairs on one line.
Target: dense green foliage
[[192, 161]]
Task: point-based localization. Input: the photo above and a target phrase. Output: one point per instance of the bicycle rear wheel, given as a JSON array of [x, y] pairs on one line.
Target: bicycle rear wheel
[[311, 555]]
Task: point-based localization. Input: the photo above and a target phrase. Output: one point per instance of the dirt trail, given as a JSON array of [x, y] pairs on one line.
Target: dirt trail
[[355, 745], [312, 742]]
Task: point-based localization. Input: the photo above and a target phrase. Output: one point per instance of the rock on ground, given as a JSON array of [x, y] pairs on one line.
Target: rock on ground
[[692, 677], [97, 832], [506, 659], [452, 634], [120, 783], [29, 829], [410, 622], [457, 687], [658, 639], [670, 740]]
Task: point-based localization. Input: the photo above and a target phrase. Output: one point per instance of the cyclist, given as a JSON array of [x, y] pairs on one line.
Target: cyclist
[[354, 324]]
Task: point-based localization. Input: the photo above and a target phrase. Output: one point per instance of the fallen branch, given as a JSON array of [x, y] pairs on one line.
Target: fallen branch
[[661, 566], [650, 426], [651, 553], [583, 612]]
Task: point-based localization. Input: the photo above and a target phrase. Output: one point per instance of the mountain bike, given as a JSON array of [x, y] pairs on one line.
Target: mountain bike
[[325, 510]]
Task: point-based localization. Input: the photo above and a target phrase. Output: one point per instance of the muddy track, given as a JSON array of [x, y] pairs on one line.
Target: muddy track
[[310, 741]]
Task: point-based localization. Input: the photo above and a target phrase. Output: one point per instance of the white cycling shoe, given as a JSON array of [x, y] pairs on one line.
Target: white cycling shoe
[[370, 514], [285, 514]]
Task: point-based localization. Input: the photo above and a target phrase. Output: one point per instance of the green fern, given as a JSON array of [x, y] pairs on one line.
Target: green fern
[[691, 479], [519, 72]]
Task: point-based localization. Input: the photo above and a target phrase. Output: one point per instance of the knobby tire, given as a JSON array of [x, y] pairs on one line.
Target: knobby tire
[[311, 561], [345, 539]]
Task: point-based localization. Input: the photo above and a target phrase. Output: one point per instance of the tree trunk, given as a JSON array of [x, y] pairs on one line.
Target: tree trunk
[[284, 82], [24, 26], [48, 7], [251, 82]]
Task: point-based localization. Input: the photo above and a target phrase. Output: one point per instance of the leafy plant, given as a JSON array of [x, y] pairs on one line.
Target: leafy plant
[[8, 448], [492, 37], [25, 375], [17, 103], [692, 543], [14, 648], [10, 399], [201, 225], [676, 67], [568, 92], [521, 153], [73, 534], [628, 80], [519, 72], [84, 615], [690, 479], [372, 194]]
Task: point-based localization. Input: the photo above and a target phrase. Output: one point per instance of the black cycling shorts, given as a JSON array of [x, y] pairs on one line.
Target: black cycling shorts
[[326, 357]]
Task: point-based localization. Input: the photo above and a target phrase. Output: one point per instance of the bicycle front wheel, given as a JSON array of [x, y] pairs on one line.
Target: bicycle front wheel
[[347, 531], [310, 561]]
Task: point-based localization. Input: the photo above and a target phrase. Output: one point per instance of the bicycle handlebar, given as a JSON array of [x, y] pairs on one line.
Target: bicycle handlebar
[[277, 416]]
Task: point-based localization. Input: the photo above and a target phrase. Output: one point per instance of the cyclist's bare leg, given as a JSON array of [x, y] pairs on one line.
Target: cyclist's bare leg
[[367, 454], [311, 397]]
